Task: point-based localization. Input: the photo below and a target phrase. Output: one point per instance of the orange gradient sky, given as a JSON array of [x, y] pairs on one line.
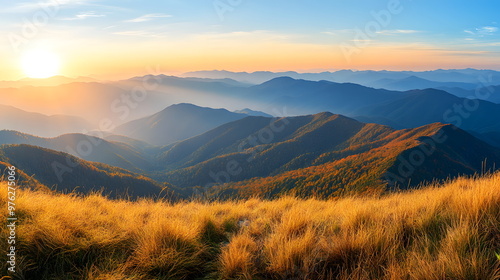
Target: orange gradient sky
[[99, 39]]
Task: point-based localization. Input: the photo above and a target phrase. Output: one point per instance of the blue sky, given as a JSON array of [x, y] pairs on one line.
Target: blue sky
[[254, 34]]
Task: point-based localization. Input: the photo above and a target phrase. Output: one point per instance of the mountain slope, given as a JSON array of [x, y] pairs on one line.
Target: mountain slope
[[489, 93], [410, 158], [286, 137], [319, 153], [176, 122], [87, 147], [251, 112], [439, 106], [305, 97], [39, 124], [66, 173]]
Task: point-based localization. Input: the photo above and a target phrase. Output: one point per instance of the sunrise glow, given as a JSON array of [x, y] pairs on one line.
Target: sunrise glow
[[39, 64]]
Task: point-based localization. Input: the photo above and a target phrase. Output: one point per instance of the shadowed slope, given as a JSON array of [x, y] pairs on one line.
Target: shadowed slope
[[66, 173]]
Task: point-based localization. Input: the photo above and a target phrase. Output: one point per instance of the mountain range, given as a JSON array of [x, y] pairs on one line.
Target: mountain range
[[305, 97], [308, 134], [367, 77], [414, 82], [322, 155], [114, 103]]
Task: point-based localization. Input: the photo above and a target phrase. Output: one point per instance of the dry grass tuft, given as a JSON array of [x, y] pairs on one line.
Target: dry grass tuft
[[439, 232]]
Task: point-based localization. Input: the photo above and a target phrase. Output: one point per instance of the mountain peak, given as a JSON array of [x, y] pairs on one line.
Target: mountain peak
[[414, 78], [326, 115], [279, 80], [191, 108], [177, 122], [184, 105]]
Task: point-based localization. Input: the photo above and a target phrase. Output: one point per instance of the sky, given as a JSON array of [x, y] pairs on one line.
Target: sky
[[118, 39]]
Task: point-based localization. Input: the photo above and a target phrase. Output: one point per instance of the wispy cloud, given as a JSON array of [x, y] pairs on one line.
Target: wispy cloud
[[488, 29], [53, 6], [50, 3], [398, 31], [482, 31], [86, 15], [148, 17]]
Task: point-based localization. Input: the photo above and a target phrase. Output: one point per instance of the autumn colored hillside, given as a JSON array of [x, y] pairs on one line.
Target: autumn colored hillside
[[372, 159], [439, 232], [321, 155]]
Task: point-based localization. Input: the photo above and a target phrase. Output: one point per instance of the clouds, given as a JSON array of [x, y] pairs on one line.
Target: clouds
[[148, 17], [398, 32], [151, 32], [36, 5], [84, 15], [482, 31]]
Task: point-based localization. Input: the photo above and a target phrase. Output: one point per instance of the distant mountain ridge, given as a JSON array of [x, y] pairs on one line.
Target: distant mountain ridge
[[118, 102], [34, 123], [414, 82], [308, 97], [52, 81], [363, 77]]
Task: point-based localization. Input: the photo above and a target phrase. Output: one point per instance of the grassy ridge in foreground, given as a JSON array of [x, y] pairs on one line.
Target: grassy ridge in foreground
[[448, 232]]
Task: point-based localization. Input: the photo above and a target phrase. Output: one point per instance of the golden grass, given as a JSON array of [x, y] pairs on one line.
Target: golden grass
[[439, 232]]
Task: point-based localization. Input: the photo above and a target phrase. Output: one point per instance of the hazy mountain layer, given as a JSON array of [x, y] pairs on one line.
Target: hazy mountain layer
[[12, 118]]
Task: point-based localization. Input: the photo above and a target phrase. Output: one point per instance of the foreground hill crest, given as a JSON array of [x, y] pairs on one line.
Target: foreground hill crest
[[437, 232]]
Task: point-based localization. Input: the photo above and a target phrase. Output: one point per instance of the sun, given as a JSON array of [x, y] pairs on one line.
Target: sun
[[40, 64]]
